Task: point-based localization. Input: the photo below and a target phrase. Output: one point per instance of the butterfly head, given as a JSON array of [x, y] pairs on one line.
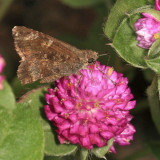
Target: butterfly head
[[92, 56]]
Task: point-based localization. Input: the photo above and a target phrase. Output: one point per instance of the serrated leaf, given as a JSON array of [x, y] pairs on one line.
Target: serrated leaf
[[81, 3], [7, 98], [118, 13], [21, 134], [125, 44], [153, 98], [54, 148], [100, 152]]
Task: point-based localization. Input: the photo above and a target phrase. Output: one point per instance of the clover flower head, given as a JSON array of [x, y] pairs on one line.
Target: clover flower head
[[92, 108], [2, 64], [147, 30]]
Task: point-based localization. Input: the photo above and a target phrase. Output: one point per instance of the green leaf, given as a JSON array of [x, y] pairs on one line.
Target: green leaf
[[153, 98], [154, 50], [153, 58], [20, 89], [52, 158], [53, 146], [159, 86], [149, 10], [17, 87], [7, 98], [118, 13], [125, 44], [36, 99], [154, 64], [132, 19], [21, 134], [81, 3], [59, 158], [100, 152], [81, 154]]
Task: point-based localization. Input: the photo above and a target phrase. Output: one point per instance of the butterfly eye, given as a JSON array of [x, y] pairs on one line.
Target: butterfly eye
[[91, 60]]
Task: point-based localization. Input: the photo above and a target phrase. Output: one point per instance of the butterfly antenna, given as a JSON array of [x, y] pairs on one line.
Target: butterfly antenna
[[105, 54]]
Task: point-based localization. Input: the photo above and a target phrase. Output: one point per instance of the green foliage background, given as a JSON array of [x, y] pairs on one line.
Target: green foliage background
[[105, 26]]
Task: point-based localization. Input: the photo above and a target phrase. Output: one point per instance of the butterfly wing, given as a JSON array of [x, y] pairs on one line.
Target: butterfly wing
[[44, 57]]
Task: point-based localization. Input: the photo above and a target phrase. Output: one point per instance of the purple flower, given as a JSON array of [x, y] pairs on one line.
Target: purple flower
[[157, 5], [92, 108], [2, 64], [147, 30]]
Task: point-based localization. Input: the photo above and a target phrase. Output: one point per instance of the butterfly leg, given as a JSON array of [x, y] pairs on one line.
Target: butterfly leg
[[77, 84], [106, 75]]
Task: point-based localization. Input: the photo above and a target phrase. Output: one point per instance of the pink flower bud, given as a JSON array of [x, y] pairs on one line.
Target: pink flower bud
[[92, 108], [147, 30], [1, 80], [2, 64], [157, 5]]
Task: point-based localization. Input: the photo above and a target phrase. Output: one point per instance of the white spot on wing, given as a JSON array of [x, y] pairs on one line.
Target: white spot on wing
[[31, 36], [49, 43]]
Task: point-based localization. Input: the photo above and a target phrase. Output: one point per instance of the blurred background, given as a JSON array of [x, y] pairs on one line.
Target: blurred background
[[80, 23]]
